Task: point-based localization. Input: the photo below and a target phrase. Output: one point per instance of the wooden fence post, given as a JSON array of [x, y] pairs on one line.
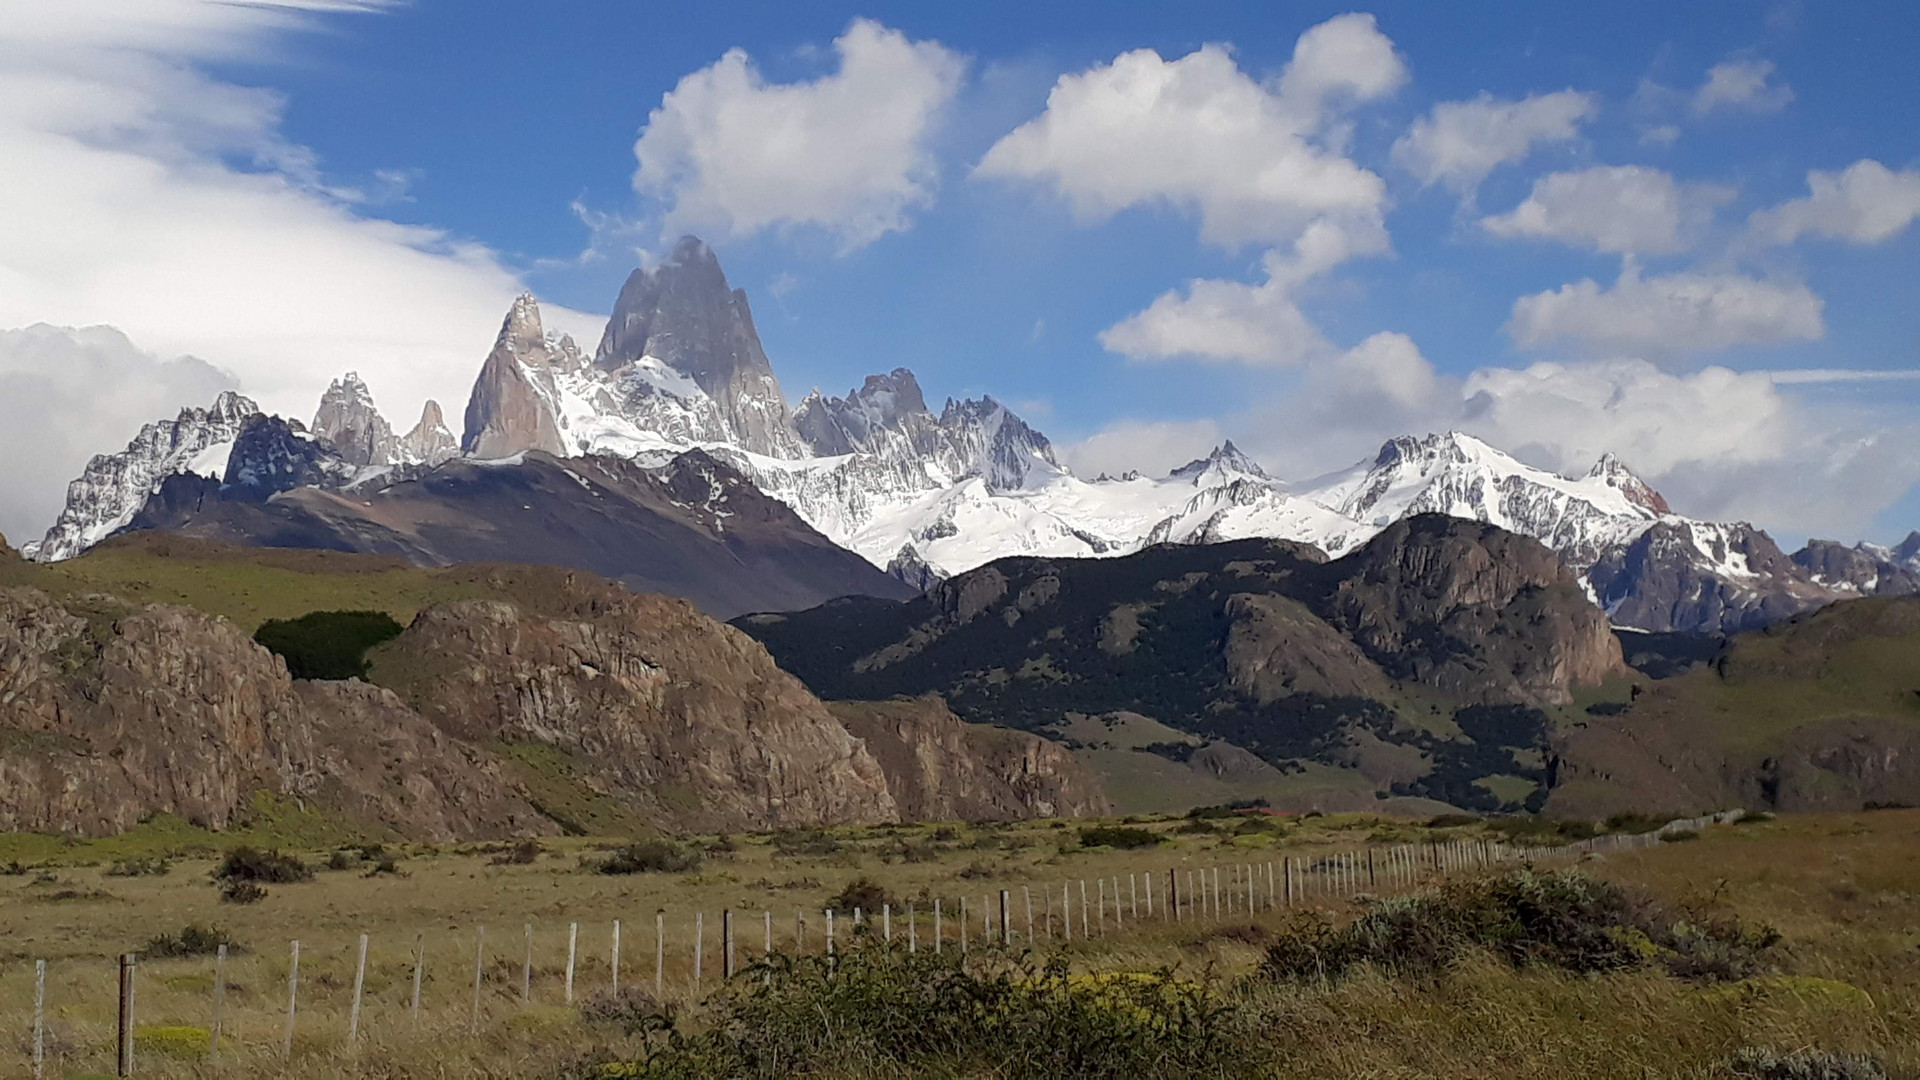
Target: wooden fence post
[[526, 969], [1117, 924], [829, 931], [219, 1005], [1146, 878], [479, 968], [1066, 913], [659, 953], [40, 1015], [1133, 889], [1083, 909], [359, 987], [1026, 893], [573, 946], [1006, 918], [700, 944], [726, 941], [419, 970], [913, 929], [963, 926], [616, 955], [293, 999], [1286, 864], [766, 954], [128, 962], [886, 923], [936, 927]]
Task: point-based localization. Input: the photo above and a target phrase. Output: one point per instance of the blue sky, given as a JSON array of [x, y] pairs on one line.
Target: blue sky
[[1463, 171]]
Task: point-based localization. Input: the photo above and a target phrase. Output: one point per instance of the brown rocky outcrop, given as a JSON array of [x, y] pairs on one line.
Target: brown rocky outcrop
[[1471, 609], [942, 768], [684, 717], [109, 714]]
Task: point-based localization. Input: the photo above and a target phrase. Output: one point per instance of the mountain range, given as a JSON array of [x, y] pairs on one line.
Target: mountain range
[[679, 386]]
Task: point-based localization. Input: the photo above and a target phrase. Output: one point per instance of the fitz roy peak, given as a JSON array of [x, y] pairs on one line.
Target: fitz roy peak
[[924, 495]]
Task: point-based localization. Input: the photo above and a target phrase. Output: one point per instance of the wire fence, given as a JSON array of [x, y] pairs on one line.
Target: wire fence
[[306, 997]]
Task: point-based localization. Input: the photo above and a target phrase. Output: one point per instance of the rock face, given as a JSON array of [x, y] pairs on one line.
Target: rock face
[[1689, 575], [689, 718], [171, 711], [429, 443], [1473, 610], [271, 455], [941, 768], [512, 407], [348, 422], [1813, 713], [114, 486], [683, 314]]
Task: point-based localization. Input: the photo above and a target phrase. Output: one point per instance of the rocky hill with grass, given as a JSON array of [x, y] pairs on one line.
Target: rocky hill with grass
[[1820, 712], [519, 700], [1430, 662]]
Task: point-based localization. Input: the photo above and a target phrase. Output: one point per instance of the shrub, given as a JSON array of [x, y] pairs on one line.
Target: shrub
[[650, 857], [1765, 1063], [241, 891], [251, 864], [173, 1040], [1637, 823], [899, 1014], [1565, 920], [630, 1008], [192, 940], [385, 866], [863, 893], [520, 854], [1124, 837], [327, 644], [155, 866], [1452, 821]]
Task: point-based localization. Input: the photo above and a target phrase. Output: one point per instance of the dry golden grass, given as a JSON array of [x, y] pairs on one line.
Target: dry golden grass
[[1843, 889]]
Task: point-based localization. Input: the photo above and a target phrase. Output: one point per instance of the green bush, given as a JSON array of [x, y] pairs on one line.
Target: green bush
[[239, 891], [154, 866], [650, 857], [900, 1014], [192, 940], [1124, 837], [327, 644], [252, 864], [1561, 919], [863, 893]]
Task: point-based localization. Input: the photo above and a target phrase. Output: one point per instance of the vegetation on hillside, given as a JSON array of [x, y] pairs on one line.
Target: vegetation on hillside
[[327, 644]]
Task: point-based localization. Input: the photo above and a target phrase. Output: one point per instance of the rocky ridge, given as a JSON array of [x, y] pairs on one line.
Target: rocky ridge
[[111, 712]]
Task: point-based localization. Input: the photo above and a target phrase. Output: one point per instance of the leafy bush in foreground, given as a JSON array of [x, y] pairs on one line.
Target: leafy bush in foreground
[[192, 940], [893, 1013], [1561, 919]]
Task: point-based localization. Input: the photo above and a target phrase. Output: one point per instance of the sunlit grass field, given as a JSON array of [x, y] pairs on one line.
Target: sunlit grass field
[[1843, 890]]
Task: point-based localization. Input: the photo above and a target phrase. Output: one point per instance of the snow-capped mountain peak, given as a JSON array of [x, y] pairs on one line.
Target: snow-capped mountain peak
[[1222, 465], [1614, 473], [348, 421], [115, 486]]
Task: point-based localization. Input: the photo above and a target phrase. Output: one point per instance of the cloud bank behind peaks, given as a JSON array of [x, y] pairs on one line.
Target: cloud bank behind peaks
[[730, 154]]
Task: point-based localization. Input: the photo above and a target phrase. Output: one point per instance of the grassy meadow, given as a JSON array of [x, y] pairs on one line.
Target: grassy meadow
[[1842, 891]]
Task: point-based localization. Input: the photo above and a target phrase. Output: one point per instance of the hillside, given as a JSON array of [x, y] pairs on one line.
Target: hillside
[[519, 700], [1819, 712], [1427, 663]]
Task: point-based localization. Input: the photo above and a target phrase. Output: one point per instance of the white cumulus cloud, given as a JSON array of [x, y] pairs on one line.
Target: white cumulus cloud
[[1459, 143], [1614, 208], [1200, 135], [1669, 314], [1741, 86], [1866, 203], [732, 154], [1237, 322]]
